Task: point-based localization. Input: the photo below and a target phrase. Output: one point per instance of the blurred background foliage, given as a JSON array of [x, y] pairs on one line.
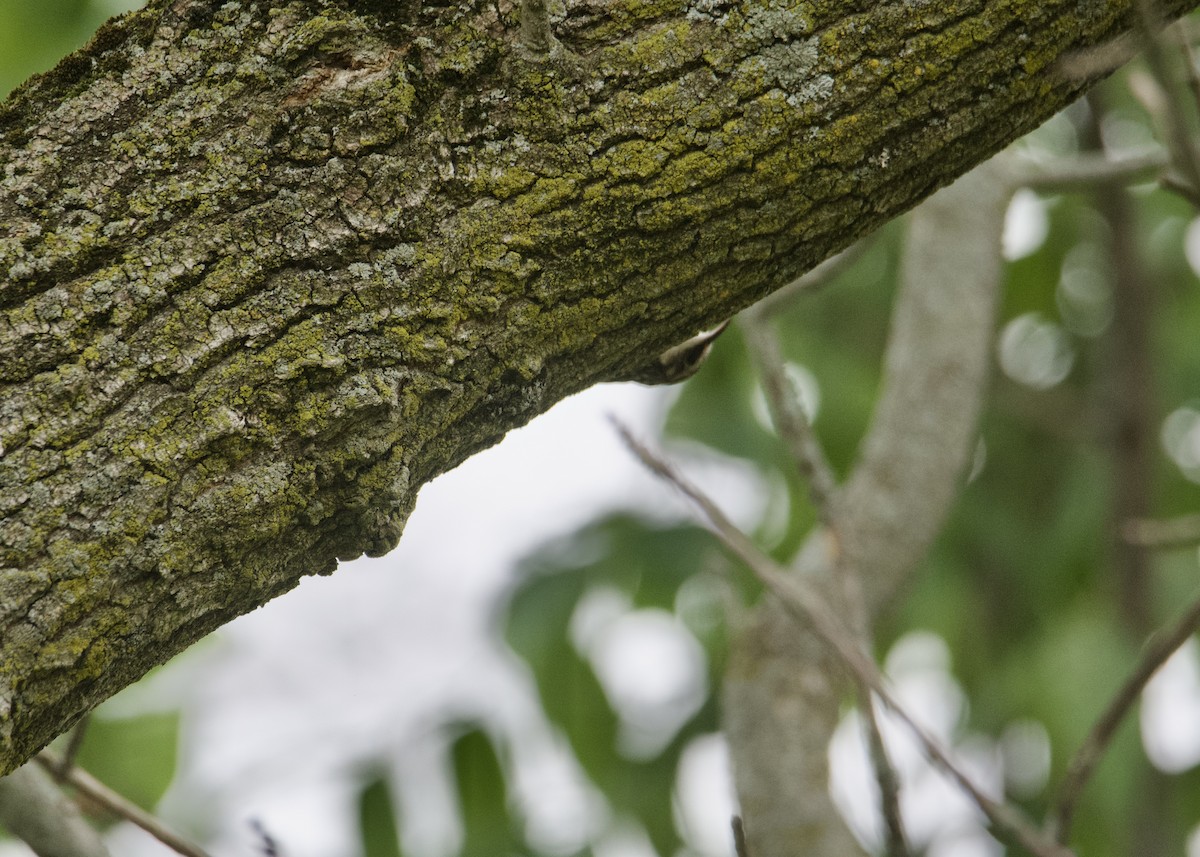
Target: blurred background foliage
[[1029, 585], [35, 35]]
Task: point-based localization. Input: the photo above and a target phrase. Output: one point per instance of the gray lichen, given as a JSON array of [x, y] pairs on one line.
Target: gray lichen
[[268, 268]]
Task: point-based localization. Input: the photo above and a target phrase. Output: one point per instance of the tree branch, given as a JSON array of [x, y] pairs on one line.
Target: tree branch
[[35, 810], [788, 414], [1181, 531], [794, 427], [780, 689], [116, 804], [1158, 649], [816, 614], [268, 268]]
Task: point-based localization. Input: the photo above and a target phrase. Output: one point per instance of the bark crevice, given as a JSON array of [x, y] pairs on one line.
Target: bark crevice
[[267, 268]]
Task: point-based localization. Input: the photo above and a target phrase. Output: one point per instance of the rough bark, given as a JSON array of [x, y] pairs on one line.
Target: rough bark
[[269, 267]]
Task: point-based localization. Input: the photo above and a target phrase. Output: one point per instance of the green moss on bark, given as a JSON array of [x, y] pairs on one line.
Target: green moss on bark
[[268, 270]]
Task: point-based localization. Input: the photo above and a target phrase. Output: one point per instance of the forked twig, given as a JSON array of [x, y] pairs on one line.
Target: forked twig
[[811, 609], [795, 428], [88, 785]]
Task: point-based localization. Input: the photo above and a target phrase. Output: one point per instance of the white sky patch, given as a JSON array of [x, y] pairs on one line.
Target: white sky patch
[[653, 671], [1170, 712], [628, 841], [1026, 225], [1191, 246], [1180, 437], [706, 804]]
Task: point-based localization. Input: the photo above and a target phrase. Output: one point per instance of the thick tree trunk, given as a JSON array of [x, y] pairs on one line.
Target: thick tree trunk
[[267, 268]]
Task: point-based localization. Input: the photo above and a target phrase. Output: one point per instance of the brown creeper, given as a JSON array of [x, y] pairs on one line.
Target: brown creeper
[[679, 362]]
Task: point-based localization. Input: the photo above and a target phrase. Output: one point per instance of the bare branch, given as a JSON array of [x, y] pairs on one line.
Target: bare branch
[[74, 743], [1085, 170], [793, 425], [35, 810], [887, 512], [923, 432], [1158, 649], [788, 414], [119, 805], [889, 781], [555, 202], [1182, 531], [805, 605]]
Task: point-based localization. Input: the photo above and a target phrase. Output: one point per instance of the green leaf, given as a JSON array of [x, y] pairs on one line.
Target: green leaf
[[482, 797], [35, 36], [377, 820], [134, 756]]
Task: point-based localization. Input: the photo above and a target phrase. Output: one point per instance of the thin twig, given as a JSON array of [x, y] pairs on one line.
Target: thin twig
[[270, 848], [74, 742], [885, 774], [1158, 649], [850, 577], [888, 780], [86, 784], [1183, 531], [811, 609], [789, 416], [1183, 38]]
